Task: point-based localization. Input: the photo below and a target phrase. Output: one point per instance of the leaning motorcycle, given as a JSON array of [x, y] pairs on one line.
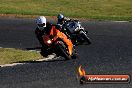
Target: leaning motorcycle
[[55, 45], [76, 32]]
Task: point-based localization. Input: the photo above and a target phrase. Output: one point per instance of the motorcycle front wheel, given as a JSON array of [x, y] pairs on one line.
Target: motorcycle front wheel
[[85, 37], [61, 49]]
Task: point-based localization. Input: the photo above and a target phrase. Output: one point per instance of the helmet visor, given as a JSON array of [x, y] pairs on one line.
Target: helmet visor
[[61, 20], [41, 25]]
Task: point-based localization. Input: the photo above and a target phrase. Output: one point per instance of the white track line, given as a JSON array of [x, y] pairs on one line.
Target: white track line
[[120, 21], [33, 51], [13, 64], [50, 57]]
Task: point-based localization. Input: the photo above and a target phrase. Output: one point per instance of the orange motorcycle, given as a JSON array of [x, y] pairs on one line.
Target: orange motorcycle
[[57, 45]]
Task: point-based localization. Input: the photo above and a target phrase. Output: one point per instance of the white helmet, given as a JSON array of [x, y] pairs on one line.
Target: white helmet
[[41, 22]]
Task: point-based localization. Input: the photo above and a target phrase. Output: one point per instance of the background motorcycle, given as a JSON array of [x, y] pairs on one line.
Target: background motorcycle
[[76, 32]]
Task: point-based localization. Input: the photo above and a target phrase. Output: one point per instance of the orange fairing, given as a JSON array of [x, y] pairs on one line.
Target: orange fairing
[[46, 39], [53, 31], [56, 33]]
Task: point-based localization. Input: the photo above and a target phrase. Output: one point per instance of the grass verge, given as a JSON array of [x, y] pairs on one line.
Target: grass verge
[[10, 55], [92, 9]]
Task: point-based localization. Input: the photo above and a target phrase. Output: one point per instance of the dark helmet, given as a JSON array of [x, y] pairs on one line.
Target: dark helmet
[[60, 17]]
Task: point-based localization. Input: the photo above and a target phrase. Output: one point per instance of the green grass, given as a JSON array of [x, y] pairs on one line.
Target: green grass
[[93, 9], [10, 55]]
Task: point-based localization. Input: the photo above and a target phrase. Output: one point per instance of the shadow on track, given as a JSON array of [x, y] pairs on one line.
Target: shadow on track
[[36, 61], [39, 61], [54, 59], [44, 53]]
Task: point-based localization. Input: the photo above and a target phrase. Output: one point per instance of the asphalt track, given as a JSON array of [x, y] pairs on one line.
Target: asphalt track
[[109, 53]]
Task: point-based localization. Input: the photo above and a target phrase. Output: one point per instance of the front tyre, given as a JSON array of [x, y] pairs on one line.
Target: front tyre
[[85, 37], [61, 49]]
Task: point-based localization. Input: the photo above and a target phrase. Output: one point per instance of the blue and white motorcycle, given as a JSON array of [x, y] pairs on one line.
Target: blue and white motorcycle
[[74, 30]]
